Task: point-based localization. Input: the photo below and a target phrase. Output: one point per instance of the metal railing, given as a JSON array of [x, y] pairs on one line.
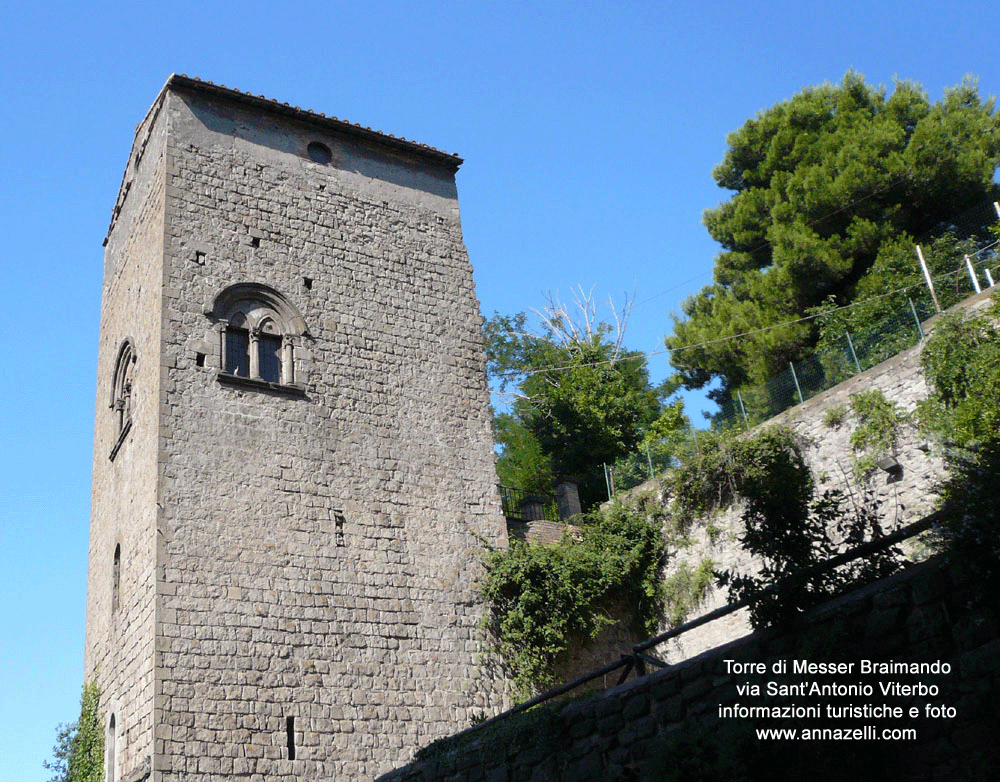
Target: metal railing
[[528, 506]]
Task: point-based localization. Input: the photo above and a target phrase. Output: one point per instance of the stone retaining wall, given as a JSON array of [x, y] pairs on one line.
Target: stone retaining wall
[[672, 724], [905, 497]]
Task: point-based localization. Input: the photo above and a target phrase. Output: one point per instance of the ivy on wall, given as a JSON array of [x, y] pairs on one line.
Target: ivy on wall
[[78, 755], [961, 362], [877, 430], [685, 589], [542, 598]]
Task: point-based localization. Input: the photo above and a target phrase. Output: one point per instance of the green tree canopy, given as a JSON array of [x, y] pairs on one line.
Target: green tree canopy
[[580, 399], [821, 183]]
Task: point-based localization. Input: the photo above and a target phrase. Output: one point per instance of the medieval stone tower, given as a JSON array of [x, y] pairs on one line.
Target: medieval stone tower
[[292, 459]]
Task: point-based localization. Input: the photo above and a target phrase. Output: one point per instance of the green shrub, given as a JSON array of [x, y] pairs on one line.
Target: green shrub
[[544, 597], [717, 467], [877, 432], [834, 416]]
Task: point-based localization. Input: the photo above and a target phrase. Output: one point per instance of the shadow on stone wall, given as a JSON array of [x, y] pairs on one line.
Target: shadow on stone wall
[[901, 676]]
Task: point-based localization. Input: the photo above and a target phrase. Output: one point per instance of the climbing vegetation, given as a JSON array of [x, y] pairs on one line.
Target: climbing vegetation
[[961, 363], [78, 755], [544, 597], [879, 422], [685, 589], [785, 524]]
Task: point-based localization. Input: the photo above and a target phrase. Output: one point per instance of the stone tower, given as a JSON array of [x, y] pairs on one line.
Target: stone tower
[[292, 455]]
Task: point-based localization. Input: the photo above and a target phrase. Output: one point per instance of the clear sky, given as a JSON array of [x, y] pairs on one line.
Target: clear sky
[[589, 131]]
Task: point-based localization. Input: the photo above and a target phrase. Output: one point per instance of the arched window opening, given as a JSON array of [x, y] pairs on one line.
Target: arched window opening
[[116, 579], [123, 393], [238, 346], [260, 329], [269, 340]]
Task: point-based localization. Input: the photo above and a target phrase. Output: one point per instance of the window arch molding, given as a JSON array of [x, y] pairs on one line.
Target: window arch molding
[[260, 330], [122, 401]]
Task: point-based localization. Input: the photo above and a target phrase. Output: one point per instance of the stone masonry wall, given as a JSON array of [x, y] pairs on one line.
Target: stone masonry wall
[[828, 452], [671, 724], [120, 642], [317, 558], [301, 556]]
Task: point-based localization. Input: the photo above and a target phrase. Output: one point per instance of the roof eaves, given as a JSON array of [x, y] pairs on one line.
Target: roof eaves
[[343, 126]]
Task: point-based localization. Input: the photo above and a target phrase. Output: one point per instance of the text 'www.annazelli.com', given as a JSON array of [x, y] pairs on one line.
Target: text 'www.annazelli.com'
[[866, 733]]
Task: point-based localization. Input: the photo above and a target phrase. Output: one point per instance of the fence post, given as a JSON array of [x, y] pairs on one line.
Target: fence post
[[568, 500], [989, 277], [796, 379], [649, 459], [743, 408], [854, 355], [972, 274], [920, 329], [927, 277], [609, 481]]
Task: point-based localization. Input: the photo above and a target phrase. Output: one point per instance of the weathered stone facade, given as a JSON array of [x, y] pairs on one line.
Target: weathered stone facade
[[283, 546]]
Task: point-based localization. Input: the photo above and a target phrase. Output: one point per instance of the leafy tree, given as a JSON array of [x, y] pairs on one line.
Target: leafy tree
[[822, 183], [887, 289], [78, 755], [580, 399]]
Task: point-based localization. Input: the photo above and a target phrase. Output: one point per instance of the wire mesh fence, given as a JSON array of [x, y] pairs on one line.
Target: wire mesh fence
[[961, 259]]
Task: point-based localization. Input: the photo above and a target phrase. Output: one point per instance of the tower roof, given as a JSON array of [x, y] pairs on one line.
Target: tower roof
[[308, 115]]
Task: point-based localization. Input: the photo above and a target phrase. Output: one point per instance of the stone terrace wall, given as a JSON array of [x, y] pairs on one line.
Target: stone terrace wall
[[828, 452], [668, 725]]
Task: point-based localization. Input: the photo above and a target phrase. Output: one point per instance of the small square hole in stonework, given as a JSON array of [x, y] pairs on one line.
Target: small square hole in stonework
[[199, 359], [338, 520], [307, 282], [199, 257], [255, 241]]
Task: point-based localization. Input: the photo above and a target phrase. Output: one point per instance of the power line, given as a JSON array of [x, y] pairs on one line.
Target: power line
[[742, 335]]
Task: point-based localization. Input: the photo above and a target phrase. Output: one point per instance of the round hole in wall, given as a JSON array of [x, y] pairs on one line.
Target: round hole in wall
[[319, 153]]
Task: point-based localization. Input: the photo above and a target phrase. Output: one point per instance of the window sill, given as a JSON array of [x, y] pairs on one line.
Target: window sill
[[285, 389]]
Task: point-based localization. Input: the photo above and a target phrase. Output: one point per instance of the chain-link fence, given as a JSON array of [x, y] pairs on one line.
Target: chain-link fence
[[857, 351], [961, 260]]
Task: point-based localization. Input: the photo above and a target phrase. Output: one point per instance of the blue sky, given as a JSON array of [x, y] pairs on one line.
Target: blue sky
[[589, 131]]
